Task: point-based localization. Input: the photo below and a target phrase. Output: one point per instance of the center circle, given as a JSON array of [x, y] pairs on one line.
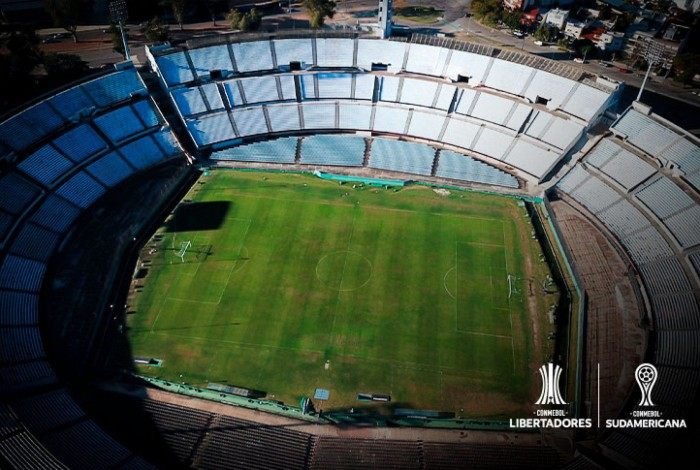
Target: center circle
[[344, 270]]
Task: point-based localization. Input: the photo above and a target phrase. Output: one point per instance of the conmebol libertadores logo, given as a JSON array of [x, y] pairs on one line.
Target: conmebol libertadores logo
[[553, 411], [550, 395]]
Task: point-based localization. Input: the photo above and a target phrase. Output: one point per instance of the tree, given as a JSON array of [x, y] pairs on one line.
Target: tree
[[512, 19], [318, 11], [20, 56], [234, 17], [583, 47], [115, 34], [66, 14], [156, 31], [546, 33], [64, 68], [178, 8], [249, 21], [484, 8]]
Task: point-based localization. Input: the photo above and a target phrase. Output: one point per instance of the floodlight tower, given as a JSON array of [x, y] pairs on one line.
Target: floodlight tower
[[119, 13], [384, 20]]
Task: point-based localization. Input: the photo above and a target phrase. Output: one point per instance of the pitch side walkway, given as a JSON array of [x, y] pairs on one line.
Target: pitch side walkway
[[330, 430]]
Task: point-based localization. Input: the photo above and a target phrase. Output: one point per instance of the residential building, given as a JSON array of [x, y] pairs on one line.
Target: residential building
[[557, 17]]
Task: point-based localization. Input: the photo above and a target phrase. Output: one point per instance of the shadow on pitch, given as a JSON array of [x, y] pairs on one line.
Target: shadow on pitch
[[199, 216]]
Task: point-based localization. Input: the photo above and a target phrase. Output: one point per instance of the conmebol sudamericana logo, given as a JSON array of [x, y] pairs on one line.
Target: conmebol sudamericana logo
[[550, 395], [646, 376]]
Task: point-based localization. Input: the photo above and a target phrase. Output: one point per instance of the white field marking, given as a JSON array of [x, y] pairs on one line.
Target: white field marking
[[230, 273], [366, 207], [479, 333], [342, 274], [199, 263], [205, 302], [339, 289], [510, 310], [494, 245], [236, 343], [510, 314], [233, 267], [444, 281], [165, 297]]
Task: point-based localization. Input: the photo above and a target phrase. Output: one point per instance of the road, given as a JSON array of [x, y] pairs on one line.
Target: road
[[95, 47]]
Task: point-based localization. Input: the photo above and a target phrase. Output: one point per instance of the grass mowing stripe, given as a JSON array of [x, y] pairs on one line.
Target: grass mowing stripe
[[377, 307]]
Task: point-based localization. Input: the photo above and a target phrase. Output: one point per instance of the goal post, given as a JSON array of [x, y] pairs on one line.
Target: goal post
[[512, 287], [184, 246]]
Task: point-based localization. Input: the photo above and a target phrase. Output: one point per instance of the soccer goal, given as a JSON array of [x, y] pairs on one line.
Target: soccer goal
[[512, 287], [184, 246]]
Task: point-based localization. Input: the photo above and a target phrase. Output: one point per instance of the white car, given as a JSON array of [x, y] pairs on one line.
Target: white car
[[538, 43], [579, 60]]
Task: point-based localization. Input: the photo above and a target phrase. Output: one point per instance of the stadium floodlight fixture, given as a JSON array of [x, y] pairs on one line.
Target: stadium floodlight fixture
[[119, 12]]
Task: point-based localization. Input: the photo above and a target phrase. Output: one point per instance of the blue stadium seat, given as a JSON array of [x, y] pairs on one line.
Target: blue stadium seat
[[80, 143], [45, 165], [110, 170], [119, 124], [81, 190], [56, 214]]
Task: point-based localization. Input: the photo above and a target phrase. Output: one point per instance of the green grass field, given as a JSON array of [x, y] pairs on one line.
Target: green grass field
[[293, 283]]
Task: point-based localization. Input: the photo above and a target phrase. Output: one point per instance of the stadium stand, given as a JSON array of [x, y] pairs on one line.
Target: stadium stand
[[511, 113], [73, 147], [319, 115], [661, 140], [272, 151], [333, 150], [294, 50], [249, 121], [674, 307], [46, 165], [285, 118], [404, 157], [461, 167], [620, 165], [65, 161], [426, 125], [206, 59]]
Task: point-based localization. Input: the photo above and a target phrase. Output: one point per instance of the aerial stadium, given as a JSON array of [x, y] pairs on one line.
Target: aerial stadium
[[329, 250]]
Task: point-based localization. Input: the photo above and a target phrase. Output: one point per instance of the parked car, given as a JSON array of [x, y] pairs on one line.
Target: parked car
[[539, 43], [579, 60]]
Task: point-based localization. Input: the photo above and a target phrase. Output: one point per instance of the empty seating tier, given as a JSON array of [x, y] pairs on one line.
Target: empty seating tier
[[404, 157], [333, 150], [272, 151], [461, 167]]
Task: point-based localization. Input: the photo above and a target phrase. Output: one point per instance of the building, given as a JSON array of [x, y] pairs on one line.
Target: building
[[557, 17], [644, 46], [385, 18], [526, 4], [607, 41], [574, 29]]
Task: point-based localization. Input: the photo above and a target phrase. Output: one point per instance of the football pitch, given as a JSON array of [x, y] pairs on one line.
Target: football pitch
[[285, 283]]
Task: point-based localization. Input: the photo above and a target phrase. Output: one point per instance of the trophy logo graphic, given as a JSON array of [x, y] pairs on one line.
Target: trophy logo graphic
[[550, 395], [646, 375]]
